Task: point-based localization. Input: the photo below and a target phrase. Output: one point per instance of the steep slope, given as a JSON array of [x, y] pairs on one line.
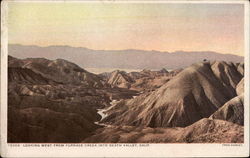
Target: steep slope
[[203, 131], [232, 111], [240, 87], [147, 80], [120, 79], [196, 92], [227, 73], [26, 76], [240, 67]]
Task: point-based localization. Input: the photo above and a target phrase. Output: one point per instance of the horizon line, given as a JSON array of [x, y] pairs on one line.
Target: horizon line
[[152, 50]]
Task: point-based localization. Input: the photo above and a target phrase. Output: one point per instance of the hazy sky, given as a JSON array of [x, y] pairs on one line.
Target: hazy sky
[[164, 27]]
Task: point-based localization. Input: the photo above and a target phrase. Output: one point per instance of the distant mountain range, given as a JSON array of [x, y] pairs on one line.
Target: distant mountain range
[[126, 59]]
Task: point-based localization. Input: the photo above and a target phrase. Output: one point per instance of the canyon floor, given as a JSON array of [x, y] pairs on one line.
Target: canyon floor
[[56, 101]]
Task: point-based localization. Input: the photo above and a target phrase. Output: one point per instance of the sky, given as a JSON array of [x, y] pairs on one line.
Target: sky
[[115, 26]]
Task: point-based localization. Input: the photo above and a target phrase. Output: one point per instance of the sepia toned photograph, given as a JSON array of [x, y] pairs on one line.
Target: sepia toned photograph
[[110, 72]]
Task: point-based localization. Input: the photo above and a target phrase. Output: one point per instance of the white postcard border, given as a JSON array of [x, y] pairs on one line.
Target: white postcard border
[[153, 150]]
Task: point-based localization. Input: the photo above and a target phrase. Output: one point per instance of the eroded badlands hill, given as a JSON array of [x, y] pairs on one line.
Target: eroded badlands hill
[[58, 70], [57, 101], [54, 101], [145, 80], [233, 110], [195, 93]]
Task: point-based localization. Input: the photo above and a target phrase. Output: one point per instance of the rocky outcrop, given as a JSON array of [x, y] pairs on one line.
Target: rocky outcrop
[[120, 79], [227, 73], [240, 67], [232, 111], [240, 87], [203, 131], [145, 80], [195, 93]]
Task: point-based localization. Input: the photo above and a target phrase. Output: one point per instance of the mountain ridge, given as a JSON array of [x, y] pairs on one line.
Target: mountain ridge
[[127, 49], [127, 58]]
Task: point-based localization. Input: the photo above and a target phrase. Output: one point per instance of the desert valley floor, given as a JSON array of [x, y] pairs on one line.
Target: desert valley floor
[[58, 101]]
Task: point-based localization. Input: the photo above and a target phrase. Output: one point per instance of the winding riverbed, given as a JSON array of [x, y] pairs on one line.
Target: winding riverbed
[[103, 114]]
